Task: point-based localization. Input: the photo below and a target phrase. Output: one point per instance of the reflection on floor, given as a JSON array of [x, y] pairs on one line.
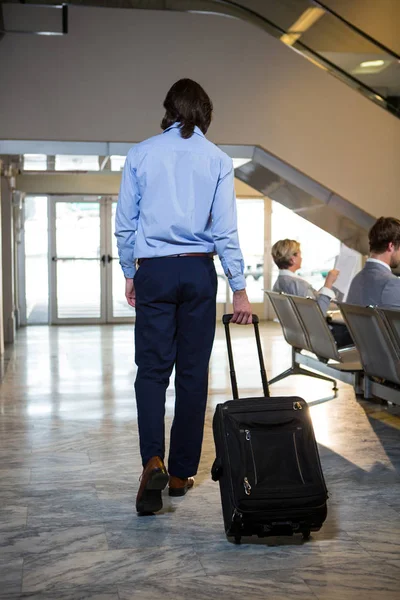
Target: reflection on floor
[[38, 314], [69, 469]]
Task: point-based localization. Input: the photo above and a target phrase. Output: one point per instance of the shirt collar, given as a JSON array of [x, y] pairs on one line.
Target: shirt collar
[[287, 272], [379, 262], [176, 126]]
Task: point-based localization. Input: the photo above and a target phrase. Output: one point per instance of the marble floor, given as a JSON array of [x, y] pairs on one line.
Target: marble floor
[[69, 470]]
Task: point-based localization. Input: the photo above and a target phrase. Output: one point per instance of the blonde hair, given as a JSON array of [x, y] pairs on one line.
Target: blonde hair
[[283, 251]]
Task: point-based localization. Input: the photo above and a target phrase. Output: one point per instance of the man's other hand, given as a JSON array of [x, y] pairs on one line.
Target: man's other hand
[[242, 313], [130, 293]]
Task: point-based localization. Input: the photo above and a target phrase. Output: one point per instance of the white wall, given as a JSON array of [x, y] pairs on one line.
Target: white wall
[[106, 81]]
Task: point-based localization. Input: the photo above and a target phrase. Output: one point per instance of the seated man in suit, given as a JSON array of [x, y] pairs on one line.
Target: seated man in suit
[[287, 257], [376, 285]]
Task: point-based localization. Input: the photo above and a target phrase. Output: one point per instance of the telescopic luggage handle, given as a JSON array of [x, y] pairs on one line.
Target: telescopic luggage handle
[[226, 319]]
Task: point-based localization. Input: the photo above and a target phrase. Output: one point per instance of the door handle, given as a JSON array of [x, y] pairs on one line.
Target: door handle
[[109, 258], [103, 259], [61, 258]]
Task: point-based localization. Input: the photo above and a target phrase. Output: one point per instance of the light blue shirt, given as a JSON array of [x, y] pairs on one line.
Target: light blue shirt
[[177, 196]]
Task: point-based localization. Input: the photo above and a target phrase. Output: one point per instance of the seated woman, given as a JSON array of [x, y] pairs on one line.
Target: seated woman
[[287, 257]]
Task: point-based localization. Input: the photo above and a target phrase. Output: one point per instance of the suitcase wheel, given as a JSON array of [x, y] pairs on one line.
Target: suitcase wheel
[[238, 539], [306, 534]]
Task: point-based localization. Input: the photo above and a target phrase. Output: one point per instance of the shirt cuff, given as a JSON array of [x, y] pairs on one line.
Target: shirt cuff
[[237, 283], [327, 292], [129, 272]]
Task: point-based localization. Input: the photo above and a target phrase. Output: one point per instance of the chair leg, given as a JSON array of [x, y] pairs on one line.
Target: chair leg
[[293, 370], [287, 373], [367, 388], [318, 376], [359, 384], [297, 370]]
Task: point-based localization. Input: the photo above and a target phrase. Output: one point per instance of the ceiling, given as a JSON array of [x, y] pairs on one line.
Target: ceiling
[[328, 36]]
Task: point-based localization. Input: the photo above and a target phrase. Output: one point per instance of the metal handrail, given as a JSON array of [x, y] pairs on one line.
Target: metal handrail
[[360, 32]]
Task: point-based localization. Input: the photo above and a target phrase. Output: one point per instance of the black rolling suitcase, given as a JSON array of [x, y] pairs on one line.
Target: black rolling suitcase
[[267, 462]]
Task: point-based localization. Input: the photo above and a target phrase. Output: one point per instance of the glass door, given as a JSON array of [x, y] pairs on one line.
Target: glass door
[[87, 284], [118, 309], [251, 229], [77, 264]]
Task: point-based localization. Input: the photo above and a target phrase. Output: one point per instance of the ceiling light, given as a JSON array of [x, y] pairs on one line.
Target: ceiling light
[[372, 63], [290, 38], [303, 23]]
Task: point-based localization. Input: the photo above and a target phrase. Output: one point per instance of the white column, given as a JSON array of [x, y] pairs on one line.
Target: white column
[[7, 245], [268, 311], [18, 257], [1, 280]]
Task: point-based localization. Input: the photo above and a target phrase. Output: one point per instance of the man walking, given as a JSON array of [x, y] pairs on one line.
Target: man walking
[[176, 208]]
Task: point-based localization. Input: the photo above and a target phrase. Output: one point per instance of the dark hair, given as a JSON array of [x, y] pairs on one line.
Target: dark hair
[[188, 104], [385, 230]]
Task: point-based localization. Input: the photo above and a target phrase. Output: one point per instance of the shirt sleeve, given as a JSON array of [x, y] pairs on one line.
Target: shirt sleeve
[[324, 297], [327, 292], [126, 218], [224, 227], [323, 302]]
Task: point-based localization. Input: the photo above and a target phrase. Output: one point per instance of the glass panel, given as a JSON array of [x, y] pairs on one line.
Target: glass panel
[[358, 57], [120, 307], [318, 248], [76, 163], [78, 259], [251, 237], [333, 43], [117, 162], [35, 162], [36, 260]]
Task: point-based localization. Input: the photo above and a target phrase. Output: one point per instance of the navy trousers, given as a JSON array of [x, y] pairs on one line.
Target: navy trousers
[[175, 325]]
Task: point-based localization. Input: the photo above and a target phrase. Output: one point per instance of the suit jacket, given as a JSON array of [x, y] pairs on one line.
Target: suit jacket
[[297, 286], [375, 285]]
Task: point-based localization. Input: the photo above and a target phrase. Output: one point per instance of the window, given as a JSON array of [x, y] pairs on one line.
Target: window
[[250, 215], [36, 260], [35, 162], [318, 248], [117, 162], [66, 162]]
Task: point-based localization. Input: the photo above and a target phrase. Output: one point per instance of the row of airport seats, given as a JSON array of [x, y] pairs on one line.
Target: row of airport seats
[[372, 366]]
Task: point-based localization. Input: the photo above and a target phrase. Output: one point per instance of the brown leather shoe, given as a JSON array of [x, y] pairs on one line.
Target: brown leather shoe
[[153, 481], [178, 486]]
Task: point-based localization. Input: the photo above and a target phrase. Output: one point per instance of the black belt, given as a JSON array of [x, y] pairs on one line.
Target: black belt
[[207, 254]]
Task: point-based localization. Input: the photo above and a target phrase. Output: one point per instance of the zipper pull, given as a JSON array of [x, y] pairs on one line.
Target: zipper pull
[[247, 486], [248, 435], [297, 406]]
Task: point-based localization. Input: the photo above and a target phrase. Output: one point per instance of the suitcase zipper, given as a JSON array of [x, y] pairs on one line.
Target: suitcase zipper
[[248, 439], [297, 457], [225, 444], [247, 486], [276, 406]]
